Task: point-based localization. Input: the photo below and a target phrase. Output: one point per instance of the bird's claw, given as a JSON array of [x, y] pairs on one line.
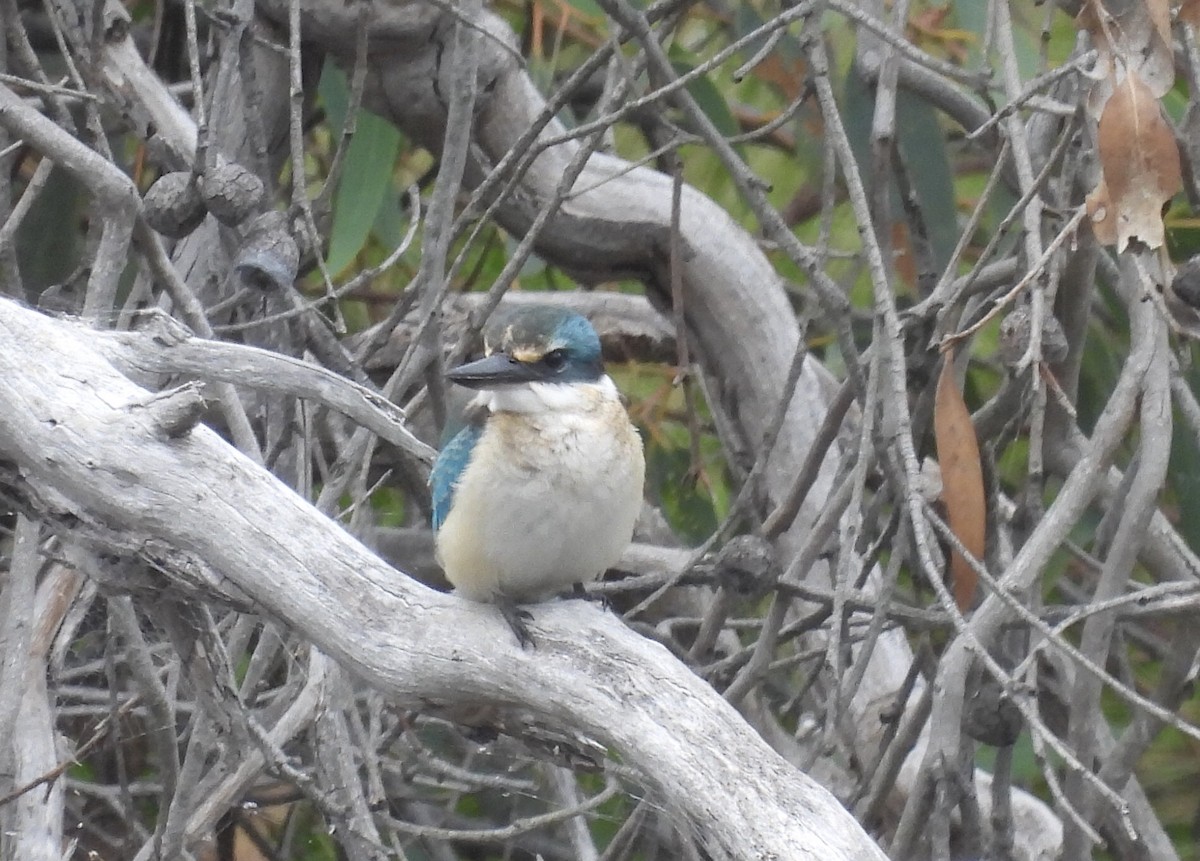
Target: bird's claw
[[580, 592], [517, 617]]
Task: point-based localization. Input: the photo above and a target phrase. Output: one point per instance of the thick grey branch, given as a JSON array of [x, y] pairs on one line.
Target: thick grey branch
[[178, 353], [74, 428]]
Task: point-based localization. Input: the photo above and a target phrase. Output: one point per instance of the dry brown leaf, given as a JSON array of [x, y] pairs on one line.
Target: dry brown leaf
[[1139, 159], [962, 481], [266, 823], [1129, 36], [786, 74], [1189, 12], [1102, 214]]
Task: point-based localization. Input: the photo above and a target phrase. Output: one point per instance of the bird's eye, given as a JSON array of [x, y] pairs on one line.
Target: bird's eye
[[555, 360]]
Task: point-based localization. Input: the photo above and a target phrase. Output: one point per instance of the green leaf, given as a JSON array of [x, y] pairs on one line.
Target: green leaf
[[709, 98], [687, 508], [366, 179], [366, 176], [588, 8], [923, 143], [391, 221], [334, 91]]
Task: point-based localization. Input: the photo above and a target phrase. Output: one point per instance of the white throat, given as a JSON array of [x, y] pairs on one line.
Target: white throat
[[548, 397]]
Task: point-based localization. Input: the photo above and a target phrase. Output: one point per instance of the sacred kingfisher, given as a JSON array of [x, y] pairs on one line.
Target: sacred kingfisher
[[541, 488]]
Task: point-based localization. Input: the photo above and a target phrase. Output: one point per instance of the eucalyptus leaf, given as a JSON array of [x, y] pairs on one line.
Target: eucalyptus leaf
[[709, 98], [366, 180], [366, 175]]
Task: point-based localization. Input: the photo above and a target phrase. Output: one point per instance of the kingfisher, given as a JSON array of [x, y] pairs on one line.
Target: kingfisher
[[539, 491]]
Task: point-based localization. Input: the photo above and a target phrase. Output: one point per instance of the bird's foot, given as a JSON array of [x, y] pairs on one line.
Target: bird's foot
[[580, 592], [517, 617]]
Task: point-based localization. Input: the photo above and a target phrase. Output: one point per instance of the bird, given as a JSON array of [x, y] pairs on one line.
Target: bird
[[541, 487]]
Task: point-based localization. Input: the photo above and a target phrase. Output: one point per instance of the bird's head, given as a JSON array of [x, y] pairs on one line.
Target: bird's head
[[534, 344]]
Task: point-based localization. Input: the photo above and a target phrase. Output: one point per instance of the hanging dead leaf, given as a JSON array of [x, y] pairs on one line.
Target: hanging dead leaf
[[787, 74], [962, 481], [1128, 37], [1139, 159], [1102, 214], [1189, 12]]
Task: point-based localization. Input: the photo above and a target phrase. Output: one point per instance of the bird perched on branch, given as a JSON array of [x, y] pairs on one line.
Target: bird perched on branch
[[541, 488]]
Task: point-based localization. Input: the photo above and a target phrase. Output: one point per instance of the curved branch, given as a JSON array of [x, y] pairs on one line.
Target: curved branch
[[169, 349], [79, 434], [618, 223]]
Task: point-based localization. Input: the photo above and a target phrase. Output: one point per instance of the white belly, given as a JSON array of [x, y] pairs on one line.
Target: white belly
[[547, 501]]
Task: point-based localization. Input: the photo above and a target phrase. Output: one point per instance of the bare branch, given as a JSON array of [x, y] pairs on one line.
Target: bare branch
[[747, 797]]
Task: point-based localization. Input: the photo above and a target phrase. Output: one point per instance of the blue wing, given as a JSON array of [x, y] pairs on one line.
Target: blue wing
[[448, 469]]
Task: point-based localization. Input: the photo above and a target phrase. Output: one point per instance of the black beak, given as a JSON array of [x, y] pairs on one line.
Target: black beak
[[497, 369]]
